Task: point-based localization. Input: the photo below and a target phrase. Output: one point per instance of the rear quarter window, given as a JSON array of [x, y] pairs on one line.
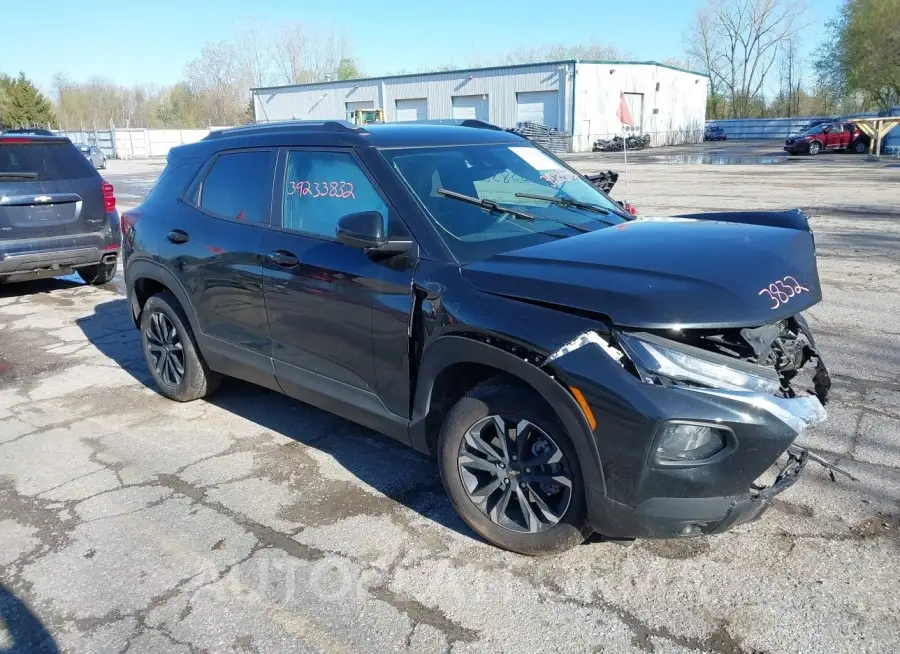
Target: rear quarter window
[[50, 161], [238, 186]]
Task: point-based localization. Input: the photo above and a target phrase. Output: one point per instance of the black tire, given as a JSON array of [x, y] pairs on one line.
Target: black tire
[[196, 379], [101, 273], [515, 403], [860, 147], [815, 148]]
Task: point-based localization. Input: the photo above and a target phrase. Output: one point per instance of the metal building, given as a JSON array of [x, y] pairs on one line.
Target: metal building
[[579, 98]]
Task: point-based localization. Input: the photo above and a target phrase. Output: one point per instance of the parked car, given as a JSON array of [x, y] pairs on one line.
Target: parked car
[[94, 155], [56, 213], [828, 136], [34, 131], [715, 133], [572, 369]]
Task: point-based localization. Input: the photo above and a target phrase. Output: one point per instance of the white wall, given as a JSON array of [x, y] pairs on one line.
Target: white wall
[[328, 100], [142, 143], [680, 102]]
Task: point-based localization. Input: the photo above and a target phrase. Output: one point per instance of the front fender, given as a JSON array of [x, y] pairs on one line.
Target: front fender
[[449, 350]]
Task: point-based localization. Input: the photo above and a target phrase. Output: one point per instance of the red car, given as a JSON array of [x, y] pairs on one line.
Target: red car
[[828, 136]]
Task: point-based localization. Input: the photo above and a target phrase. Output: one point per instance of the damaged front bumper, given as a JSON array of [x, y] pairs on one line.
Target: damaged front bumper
[[639, 496]]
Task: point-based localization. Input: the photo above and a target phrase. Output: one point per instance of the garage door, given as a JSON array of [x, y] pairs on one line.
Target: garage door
[[412, 109], [364, 104], [538, 107], [470, 106]]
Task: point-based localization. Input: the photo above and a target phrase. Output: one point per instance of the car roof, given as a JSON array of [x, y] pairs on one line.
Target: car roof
[[381, 135]]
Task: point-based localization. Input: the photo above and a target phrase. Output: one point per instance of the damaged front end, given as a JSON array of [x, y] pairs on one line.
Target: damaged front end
[[725, 404]]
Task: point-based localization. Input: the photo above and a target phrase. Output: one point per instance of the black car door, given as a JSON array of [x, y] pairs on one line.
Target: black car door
[[323, 297], [214, 244]]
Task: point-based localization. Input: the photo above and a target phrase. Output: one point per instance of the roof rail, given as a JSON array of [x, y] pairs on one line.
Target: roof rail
[[460, 122], [282, 125]]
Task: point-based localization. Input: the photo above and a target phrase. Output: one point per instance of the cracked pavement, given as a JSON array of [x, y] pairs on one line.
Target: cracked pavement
[[254, 523]]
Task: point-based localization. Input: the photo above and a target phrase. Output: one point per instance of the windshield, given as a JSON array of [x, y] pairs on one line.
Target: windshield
[[498, 173]]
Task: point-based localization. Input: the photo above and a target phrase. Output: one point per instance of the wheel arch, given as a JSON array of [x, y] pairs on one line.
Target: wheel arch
[[147, 278], [450, 354]]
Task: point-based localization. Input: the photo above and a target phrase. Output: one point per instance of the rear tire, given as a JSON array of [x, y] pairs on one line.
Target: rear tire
[[545, 475], [815, 148], [860, 147], [171, 352], [101, 273]]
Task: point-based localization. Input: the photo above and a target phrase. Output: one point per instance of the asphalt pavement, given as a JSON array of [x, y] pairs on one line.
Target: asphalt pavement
[[254, 523]]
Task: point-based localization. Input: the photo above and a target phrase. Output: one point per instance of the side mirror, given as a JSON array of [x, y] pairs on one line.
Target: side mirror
[[362, 230]]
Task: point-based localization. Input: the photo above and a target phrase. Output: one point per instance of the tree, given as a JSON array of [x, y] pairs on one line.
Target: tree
[[308, 52], [559, 51], [22, 104], [180, 108], [736, 42], [347, 69], [863, 52], [220, 83], [254, 52]]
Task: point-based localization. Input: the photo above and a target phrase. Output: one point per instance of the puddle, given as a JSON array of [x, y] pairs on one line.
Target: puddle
[[117, 285], [720, 159]]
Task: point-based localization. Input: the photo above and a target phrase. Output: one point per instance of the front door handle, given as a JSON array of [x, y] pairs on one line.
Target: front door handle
[[284, 258], [177, 236]]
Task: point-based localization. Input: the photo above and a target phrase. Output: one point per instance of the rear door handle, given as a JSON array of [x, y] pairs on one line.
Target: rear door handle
[[178, 236], [284, 258]]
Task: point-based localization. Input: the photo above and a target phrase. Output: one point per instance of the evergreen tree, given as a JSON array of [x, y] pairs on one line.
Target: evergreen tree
[[22, 104]]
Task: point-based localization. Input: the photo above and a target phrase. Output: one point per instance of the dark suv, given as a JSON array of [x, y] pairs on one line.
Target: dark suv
[[465, 292], [56, 213]]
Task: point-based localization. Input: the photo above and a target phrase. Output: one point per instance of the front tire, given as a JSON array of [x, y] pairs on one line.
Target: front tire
[[511, 471], [171, 352], [101, 273], [815, 148]]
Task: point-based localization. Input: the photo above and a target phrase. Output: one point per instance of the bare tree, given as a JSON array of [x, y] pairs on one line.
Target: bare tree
[[737, 42], [790, 73], [309, 52], [560, 51], [221, 82], [254, 48]]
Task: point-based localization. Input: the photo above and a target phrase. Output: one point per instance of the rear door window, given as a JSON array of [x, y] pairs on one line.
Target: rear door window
[[45, 161], [238, 186]]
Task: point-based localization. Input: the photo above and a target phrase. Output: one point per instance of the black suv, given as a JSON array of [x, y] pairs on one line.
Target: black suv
[[56, 213], [465, 292]]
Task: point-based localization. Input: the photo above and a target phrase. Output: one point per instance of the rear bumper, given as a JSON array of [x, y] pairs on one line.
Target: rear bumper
[[58, 254]]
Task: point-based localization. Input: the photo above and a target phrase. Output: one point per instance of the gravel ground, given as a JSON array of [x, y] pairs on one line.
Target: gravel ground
[[254, 523]]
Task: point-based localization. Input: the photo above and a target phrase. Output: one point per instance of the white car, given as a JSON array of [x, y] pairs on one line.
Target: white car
[[94, 155]]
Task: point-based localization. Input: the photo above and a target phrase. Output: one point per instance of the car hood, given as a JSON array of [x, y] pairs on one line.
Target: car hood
[[664, 273]]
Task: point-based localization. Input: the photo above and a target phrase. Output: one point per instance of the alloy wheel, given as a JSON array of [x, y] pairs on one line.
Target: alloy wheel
[[165, 349], [515, 474]]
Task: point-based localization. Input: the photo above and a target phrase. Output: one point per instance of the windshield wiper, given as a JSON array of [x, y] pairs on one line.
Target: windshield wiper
[[486, 204], [493, 207], [18, 175], [566, 202]]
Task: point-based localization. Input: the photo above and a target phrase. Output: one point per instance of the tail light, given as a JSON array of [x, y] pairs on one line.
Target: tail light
[[109, 199], [630, 208], [14, 139]]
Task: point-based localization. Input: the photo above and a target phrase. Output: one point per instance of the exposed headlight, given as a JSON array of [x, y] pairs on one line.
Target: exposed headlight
[[658, 357], [687, 443]]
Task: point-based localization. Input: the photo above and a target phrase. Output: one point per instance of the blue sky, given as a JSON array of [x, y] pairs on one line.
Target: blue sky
[[134, 41]]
